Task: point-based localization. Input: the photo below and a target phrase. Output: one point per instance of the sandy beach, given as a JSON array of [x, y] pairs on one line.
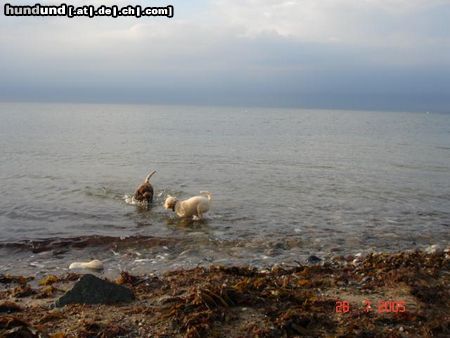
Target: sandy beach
[[404, 294]]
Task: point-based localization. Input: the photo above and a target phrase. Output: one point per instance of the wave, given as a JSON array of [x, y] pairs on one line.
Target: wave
[[49, 244]]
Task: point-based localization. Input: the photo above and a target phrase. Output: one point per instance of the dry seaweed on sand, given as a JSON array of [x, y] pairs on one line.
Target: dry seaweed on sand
[[8, 279], [23, 291], [219, 301], [9, 307], [48, 280], [13, 327]]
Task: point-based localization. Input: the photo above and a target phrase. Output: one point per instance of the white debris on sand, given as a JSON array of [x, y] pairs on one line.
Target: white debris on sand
[[92, 265]]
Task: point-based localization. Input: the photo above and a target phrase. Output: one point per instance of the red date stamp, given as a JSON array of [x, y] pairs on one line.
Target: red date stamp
[[382, 306]]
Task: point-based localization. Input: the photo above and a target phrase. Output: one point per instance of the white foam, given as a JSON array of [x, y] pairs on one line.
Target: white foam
[[144, 260], [132, 201]]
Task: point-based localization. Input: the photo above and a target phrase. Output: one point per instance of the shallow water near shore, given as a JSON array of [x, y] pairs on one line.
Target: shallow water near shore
[[286, 183]]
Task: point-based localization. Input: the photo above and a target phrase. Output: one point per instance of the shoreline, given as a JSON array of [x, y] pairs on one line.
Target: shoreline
[[144, 254], [404, 294]]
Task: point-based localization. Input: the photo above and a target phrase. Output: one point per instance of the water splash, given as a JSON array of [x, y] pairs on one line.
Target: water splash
[[129, 199]]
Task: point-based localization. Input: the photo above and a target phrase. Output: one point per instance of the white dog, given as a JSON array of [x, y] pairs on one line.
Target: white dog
[[193, 207]]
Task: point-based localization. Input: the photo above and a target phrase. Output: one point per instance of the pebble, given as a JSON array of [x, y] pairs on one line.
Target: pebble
[[143, 260], [92, 265], [272, 252], [37, 265], [366, 279], [185, 252], [275, 268], [313, 259], [432, 249], [357, 261], [281, 246], [447, 253]]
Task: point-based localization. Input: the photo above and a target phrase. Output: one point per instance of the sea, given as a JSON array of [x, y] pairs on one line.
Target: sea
[[287, 184]]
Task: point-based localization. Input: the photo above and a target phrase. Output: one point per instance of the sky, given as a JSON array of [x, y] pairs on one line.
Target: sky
[[342, 54]]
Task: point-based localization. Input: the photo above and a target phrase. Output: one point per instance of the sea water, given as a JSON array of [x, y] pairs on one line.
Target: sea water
[[286, 183]]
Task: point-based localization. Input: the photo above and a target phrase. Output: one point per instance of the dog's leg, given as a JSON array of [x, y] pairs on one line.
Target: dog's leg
[[199, 212]]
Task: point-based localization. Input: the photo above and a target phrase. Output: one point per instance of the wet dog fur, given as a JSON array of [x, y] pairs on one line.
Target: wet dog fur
[[144, 193], [193, 207]]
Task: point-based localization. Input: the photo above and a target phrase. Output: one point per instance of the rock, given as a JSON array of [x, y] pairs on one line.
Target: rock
[[272, 252], [349, 258], [276, 268], [280, 245], [356, 261], [432, 249], [93, 290], [313, 259], [92, 265], [366, 279]]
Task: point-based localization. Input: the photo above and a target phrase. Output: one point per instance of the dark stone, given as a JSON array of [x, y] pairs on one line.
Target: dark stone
[[313, 259], [93, 290]]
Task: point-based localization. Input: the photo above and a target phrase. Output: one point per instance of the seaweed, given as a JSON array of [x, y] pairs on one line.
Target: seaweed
[[9, 307], [101, 330], [283, 301], [13, 327], [8, 279], [48, 280], [23, 291]]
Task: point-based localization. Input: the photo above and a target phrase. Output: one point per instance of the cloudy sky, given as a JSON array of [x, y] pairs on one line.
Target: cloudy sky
[[351, 54]]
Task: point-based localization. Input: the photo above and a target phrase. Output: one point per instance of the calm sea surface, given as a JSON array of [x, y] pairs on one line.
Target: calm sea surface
[[286, 184]]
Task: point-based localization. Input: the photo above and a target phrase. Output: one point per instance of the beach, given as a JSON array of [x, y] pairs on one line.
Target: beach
[[402, 294], [225, 169]]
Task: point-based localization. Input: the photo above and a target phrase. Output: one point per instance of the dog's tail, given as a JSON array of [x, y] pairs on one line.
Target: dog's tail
[[207, 193], [149, 175]]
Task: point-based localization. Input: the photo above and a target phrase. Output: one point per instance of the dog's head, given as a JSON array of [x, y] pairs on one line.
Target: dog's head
[[170, 202]]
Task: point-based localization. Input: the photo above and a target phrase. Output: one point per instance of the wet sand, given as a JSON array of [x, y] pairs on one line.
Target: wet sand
[[403, 294]]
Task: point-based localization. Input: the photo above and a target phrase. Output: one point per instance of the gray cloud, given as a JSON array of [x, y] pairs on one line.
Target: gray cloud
[[387, 54]]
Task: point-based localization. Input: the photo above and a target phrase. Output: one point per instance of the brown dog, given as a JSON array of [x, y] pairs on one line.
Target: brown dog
[[144, 193]]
